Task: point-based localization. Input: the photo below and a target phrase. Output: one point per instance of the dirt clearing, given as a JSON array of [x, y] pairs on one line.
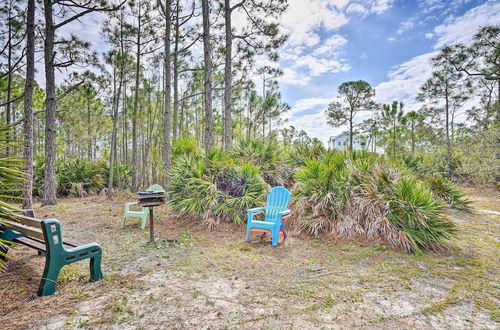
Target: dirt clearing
[[198, 279]]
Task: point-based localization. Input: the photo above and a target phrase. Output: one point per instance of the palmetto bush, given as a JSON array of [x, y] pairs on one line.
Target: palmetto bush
[[185, 145], [299, 153], [214, 188], [78, 177], [11, 178], [269, 156], [360, 194], [448, 192]]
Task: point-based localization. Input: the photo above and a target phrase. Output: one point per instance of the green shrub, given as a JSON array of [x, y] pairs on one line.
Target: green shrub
[[268, 156], [361, 194], [185, 145], [299, 153], [78, 177], [214, 188], [11, 177], [448, 192], [479, 157]]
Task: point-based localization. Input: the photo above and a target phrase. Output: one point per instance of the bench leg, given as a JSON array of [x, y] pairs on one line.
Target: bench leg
[[49, 279], [95, 269]]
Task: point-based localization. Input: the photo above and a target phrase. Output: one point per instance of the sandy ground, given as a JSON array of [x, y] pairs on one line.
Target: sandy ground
[[209, 280]]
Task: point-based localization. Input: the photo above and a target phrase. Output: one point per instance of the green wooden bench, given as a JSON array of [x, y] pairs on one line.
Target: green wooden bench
[[45, 237]]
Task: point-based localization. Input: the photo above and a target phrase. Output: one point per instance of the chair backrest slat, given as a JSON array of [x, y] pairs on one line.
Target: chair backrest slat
[[277, 201]]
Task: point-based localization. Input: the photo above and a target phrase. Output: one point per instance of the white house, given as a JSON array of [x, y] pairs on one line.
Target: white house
[[341, 142]]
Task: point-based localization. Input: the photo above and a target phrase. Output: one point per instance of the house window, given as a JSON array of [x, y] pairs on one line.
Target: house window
[[339, 143]]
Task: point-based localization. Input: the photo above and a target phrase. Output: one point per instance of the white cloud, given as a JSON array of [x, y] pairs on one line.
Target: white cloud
[[406, 25], [391, 39], [304, 17], [339, 3], [429, 35], [332, 44], [293, 77], [316, 126], [357, 9], [309, 104], [405, 81], [319, 66], [440, 8], [462, 29], [363, 8], [379, 6]]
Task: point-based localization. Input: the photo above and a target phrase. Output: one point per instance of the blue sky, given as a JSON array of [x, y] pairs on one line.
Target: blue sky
[[385, 42]]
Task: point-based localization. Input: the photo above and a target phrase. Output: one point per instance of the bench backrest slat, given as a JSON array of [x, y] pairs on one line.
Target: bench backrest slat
[[24, 229], [28, 221]]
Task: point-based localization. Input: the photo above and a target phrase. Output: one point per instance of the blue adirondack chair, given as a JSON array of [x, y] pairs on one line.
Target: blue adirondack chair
[[275, 210], [143, 213]]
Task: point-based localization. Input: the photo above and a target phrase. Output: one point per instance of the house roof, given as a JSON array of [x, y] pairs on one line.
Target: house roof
[[338, 136]]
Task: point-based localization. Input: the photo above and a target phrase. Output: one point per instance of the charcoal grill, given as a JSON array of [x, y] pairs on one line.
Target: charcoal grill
[[151, 199]]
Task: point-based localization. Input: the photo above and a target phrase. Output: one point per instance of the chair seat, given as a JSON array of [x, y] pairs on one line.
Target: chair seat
[[262, 223], [134, 213]]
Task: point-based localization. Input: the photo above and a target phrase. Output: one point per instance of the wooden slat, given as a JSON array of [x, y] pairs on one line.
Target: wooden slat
[[27, 221], [32, 243], [40, 244], [67, 242], [23, 229]]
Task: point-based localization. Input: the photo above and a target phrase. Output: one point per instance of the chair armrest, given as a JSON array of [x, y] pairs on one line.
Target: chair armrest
[[256, 210], [284, 213], [128, 205]]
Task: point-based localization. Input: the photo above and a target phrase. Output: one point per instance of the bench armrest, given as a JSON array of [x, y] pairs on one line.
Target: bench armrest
[[87, 247]]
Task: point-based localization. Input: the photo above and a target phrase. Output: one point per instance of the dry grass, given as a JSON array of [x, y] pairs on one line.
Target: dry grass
[[195, 278]]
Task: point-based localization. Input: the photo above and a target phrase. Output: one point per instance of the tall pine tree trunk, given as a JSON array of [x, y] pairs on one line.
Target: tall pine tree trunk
[[176, 73], [207, 55], [89, 130], [49, 181], [350, 131], [136, 106], [228, 78], [448, 142], [8, 108], [112, 154], [167, 96], [28, 106], [412, 138]]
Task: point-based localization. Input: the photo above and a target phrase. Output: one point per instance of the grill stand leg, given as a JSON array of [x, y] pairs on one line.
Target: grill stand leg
[[151, 226]]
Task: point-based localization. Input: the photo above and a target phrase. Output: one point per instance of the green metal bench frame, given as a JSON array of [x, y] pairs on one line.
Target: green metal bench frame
[[57, 255]]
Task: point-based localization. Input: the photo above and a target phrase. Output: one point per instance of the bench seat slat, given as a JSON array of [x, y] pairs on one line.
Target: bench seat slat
[[32, 243], [67, 243]]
